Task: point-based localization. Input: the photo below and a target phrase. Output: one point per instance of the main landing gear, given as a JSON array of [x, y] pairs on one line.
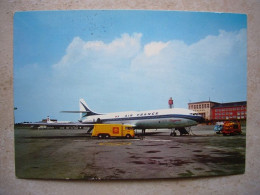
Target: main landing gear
[[182, 131], [173, 133]]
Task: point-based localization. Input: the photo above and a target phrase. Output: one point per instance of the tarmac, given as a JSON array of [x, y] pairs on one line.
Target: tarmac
[[73, 154]]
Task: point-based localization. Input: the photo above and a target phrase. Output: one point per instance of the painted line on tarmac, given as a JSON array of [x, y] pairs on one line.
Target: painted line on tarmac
[[79, 140], [114, 143], [158, 140]]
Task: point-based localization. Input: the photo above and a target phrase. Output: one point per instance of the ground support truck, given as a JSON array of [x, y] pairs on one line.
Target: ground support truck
[[231, 128], [218, 127], [113, 130]]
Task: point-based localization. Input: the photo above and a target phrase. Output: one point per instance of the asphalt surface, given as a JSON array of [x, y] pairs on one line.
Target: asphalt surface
[[73, 154]]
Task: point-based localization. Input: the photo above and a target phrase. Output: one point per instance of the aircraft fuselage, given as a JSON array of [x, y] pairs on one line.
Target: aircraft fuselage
[[153, 119]]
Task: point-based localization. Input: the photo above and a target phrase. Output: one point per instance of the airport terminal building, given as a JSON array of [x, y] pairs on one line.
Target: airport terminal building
[[214, 111]]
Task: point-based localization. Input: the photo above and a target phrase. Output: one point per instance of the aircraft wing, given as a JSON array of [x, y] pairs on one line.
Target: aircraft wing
[[57, 125], [74, 111]]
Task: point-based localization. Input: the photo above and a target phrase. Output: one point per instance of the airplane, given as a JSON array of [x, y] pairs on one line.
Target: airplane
[[174, 118]]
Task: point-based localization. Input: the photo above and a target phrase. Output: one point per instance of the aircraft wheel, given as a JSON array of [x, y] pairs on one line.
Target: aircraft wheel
[[128, 136]]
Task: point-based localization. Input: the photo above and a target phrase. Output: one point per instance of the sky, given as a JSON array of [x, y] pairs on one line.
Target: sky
[[125, 60]]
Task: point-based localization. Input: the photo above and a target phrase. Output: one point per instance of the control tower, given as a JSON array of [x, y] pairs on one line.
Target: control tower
[[170, 102]]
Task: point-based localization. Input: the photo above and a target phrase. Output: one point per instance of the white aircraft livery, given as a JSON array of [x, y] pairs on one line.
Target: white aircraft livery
[[175, 118]]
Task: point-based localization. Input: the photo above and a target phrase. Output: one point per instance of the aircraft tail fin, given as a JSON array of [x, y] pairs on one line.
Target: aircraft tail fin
[[83, 107]]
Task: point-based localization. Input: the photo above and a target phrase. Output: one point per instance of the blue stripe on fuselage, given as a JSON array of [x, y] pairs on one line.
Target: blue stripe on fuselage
[[191, 117]]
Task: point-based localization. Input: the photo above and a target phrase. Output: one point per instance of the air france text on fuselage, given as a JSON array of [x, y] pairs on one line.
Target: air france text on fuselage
[[140, 114]]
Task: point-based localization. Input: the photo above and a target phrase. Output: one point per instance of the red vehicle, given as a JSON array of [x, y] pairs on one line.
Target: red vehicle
[[231, 128]]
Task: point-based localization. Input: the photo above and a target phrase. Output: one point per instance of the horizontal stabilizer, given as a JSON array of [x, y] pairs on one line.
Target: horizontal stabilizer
[[74, 111]]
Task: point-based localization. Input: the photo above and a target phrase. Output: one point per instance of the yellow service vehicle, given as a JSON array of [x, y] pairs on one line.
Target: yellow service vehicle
[[231, 128], [113, 130]]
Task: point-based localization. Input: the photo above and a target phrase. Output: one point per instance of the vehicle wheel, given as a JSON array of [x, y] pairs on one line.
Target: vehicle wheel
[[100, 136], [224, 134], [107, 136], [128, 136]]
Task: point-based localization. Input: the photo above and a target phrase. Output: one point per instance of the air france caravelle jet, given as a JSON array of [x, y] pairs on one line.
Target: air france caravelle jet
[[174, 119]]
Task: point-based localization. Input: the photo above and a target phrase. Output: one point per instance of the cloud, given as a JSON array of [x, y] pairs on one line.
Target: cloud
[[213, 67], [124, 73], [211, 52], [154, 48], [98, 53], [173, 67]]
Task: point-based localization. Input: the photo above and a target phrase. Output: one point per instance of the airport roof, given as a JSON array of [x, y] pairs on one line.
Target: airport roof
[[230, 104], [203, 102]]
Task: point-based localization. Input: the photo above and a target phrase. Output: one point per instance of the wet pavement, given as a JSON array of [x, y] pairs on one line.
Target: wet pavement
[[72, 154]]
